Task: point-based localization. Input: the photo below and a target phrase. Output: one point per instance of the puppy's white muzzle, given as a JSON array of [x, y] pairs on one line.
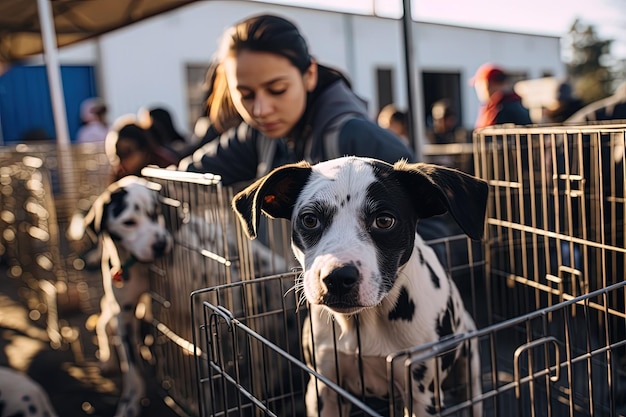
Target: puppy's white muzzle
[[342, 285], [150, 245]]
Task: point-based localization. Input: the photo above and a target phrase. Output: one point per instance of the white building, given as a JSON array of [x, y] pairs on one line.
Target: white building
[[162, 60]]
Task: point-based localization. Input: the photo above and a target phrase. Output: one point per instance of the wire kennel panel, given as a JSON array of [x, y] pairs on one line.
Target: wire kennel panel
[[250, 356], [555, 232], [559, 360], [30, 239], [210, 249], [248, 337], [555, 361], [42, 186], [555, 220]]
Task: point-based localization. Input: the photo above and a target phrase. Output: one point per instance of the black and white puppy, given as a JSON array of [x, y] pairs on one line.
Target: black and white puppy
[[353, 232], [127, 221], [22, 396]]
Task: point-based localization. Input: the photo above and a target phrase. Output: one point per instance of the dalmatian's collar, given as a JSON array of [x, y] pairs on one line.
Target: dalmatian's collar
[[120, 274], [119, 271]]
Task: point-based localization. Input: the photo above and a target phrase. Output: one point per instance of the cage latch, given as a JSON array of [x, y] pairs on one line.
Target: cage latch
[[530, 346]]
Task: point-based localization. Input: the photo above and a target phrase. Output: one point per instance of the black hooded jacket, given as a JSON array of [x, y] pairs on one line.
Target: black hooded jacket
[[336, 123]]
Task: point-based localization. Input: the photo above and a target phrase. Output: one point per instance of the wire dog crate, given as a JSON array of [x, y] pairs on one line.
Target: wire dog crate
[[250, 356], [210, 249], [41, 187], [546, 290]]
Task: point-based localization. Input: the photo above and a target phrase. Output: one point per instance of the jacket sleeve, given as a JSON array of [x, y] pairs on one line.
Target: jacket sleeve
[[233, 156], [362, 137], [513, 112]]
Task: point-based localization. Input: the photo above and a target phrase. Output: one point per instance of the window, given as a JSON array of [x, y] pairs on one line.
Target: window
[[384, 85], [440, 85], [196, 74]]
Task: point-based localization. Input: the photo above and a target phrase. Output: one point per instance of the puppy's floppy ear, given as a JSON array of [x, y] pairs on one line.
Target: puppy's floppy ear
[[94, 220], [437, 189], [274, 194]]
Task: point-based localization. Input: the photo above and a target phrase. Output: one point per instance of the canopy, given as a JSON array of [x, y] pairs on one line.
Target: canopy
[[30, 27], [74, 21]]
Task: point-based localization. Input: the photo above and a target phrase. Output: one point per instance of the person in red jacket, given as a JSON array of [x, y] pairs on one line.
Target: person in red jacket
[[500, 104]]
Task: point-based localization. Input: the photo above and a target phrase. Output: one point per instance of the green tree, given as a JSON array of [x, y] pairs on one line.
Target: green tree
[[588, 66]]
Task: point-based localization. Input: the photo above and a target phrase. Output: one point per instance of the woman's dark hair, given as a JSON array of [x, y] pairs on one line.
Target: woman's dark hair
[[154, 153], [218, 104], [261, 33], [268, 33], [162, 127], [135, 134]]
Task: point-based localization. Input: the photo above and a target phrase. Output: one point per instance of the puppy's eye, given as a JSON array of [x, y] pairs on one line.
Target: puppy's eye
[[130, 222], [384, 221], [309, 221]]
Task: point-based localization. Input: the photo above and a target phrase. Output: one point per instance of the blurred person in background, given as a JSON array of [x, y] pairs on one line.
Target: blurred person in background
[[292, 108], [445, 129], [564, 105], [159, 122], [94, 128], [500, 104], [130, 147], [445, 124], [610, 108], [395, 120]]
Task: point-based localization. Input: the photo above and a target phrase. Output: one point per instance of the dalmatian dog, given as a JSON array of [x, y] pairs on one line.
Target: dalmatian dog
[[22, 396], [126, 219], [354, 233]]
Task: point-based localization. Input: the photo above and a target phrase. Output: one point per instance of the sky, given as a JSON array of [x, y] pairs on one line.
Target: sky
[[544, 17]]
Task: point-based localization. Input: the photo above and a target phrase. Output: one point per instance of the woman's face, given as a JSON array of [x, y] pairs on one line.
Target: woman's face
[[482, 90], [268, 91], [131, 157]]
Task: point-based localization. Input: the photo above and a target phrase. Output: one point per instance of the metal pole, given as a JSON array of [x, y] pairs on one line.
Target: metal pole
[[49, 40], [65, 160], [1, 135], [415, 100]]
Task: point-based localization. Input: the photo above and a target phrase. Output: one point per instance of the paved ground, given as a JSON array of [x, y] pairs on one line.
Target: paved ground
[[69, 373]]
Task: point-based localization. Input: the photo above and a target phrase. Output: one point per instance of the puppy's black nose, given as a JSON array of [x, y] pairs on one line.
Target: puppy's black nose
[[158, 248], [342, 280]]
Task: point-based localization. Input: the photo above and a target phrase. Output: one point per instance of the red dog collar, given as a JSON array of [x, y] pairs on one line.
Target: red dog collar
[[120, 275]]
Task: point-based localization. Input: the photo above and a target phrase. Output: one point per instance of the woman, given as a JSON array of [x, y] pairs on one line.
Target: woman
[[291, 107], [159, 123]]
